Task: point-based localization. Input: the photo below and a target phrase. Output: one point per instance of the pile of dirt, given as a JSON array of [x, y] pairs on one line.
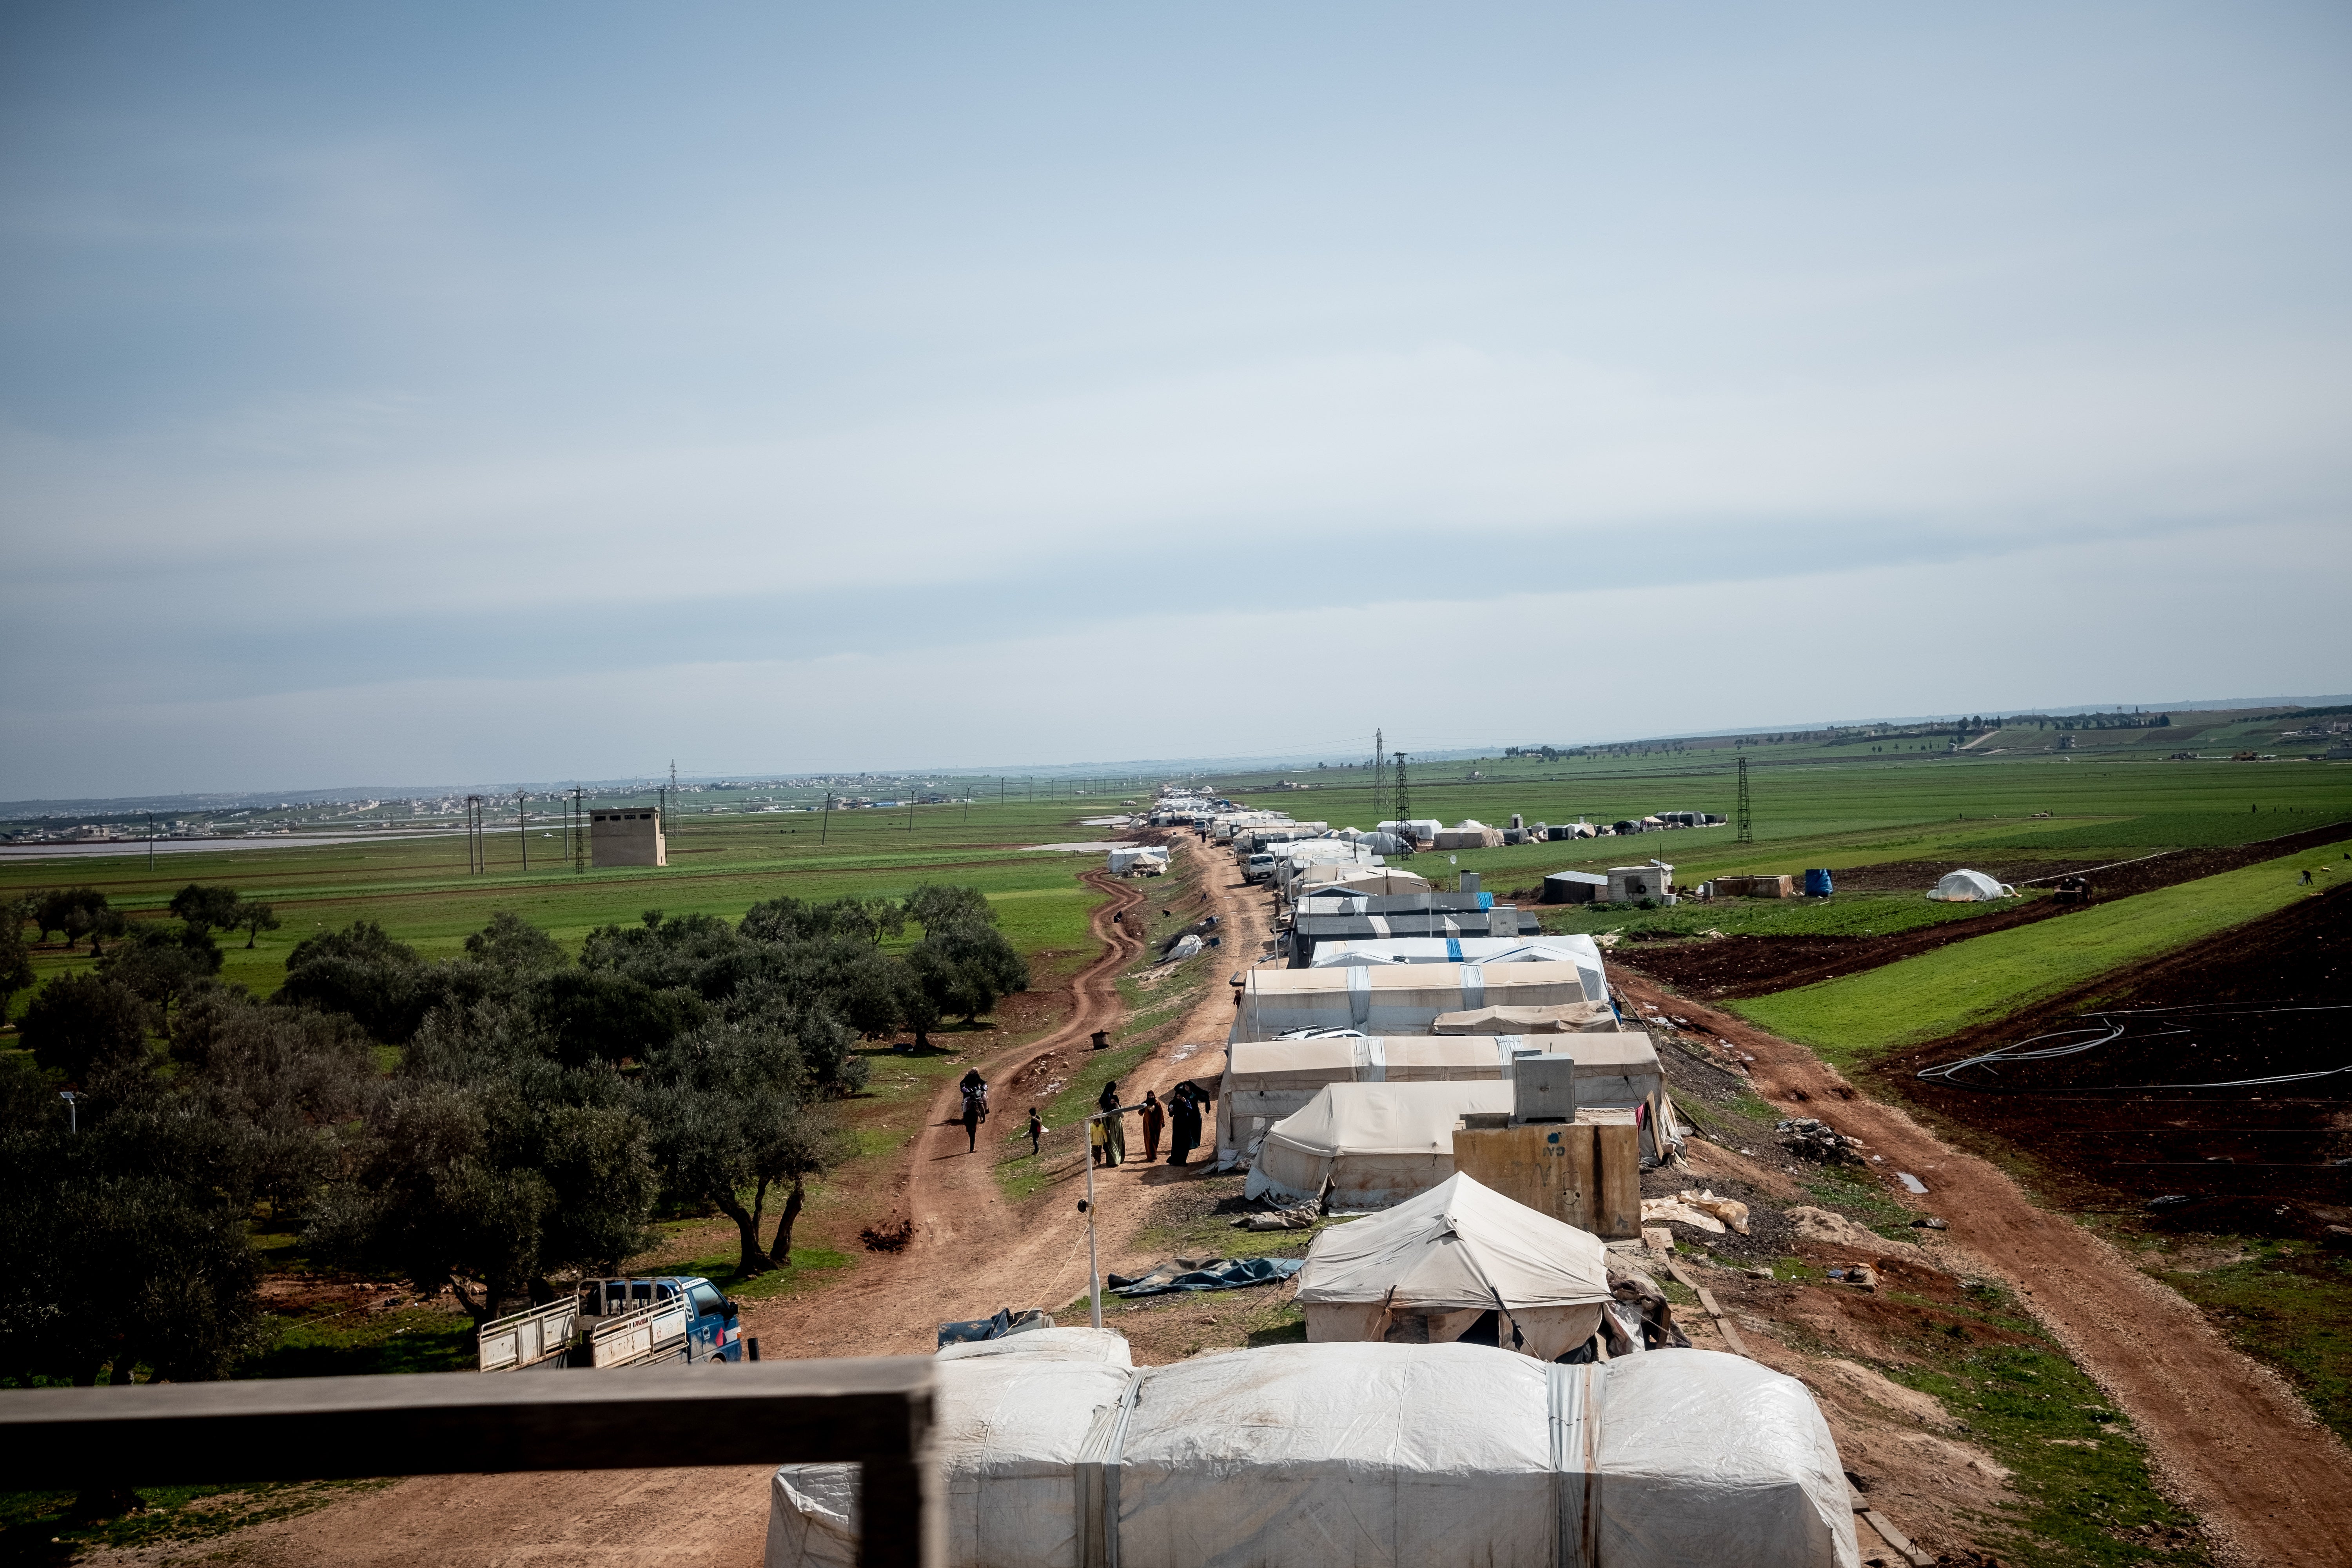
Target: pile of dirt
[[1725, 968], [2259, 1157]]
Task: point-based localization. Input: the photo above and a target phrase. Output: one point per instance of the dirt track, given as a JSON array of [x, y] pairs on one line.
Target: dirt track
[[972, 1251], [2273, 1486]]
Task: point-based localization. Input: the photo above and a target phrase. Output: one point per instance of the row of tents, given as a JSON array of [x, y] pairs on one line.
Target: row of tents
[[1430, 1419]]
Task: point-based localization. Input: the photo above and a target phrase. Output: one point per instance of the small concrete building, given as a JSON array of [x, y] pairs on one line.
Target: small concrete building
[[1629, 883], [628, 837]]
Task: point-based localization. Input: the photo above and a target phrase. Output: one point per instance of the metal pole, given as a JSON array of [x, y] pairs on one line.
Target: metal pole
[[827, 827], [1093, 1268], [151, 841]]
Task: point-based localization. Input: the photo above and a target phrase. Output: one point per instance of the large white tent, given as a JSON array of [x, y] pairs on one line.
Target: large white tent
[[1266, 1080], [1448, 1258], [1970, 888], [1378, 1455], [1370, 1144], [1393, 999]]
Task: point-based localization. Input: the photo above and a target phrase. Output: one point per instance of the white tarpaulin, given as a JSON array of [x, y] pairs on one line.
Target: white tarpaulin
[[1374, 1455], [1567, 1018], [1265, 1081], [1129, 857], [1393, 999], [1580, 951], [1450, 1256], [1969, 887], [1371, 1144]]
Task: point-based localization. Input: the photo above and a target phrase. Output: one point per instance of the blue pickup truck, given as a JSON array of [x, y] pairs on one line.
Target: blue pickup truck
[[617, 1323]]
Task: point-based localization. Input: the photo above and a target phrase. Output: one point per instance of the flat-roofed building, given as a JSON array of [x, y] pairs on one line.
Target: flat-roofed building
[[632, 837]]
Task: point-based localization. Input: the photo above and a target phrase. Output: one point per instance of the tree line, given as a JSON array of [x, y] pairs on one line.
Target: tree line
[[489, 1124]]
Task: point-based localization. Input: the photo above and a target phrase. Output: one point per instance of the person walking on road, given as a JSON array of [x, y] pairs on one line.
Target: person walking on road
[[1185, 1135], [975, 1107], [1154, 1119], [1114, 1126], [1037, 1129]]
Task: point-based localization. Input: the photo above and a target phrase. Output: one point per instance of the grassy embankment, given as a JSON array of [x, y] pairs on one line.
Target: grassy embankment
[[1850, 1019]]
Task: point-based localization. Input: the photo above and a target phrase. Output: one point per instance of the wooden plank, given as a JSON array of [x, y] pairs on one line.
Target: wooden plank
[[1723, 1323], [331, 1428], [1897, 1539]]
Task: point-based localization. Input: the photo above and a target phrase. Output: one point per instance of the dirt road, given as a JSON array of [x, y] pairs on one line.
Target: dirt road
[[970, 1251], [2273, 1486]]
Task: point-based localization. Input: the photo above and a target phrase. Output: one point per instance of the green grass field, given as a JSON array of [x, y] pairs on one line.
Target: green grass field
[[1989, 976], [418, 888]]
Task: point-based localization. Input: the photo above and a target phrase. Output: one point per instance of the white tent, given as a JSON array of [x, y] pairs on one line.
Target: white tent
[[1561, 1018], [1371, 1144], [1374, 1455], [1970, 888], [1133, 856], [1448, 1257], [1392, 998], [1580, 951], [1265, 1082]]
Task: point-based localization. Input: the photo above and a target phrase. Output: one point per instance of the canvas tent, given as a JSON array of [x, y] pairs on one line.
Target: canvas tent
[[1432, 1266], [1147, 858], [1393, 999], [1969, 887], [1379, 1455], [1368, 1145]]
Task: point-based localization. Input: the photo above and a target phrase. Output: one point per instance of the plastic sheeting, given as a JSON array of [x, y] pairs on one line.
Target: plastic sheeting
[[1265, 1081], [1567, 1018], [1969, 887], [1393, 999], [1370, 1144], [1580, 951], [1376, 1455]]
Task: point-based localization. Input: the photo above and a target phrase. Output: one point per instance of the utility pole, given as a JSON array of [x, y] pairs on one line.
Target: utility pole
[[151, 841], [579, 829], [478, 856], [827, 827], [522, 828], [910, 812], [1403, 791], [1380, 783], [1746, 818]]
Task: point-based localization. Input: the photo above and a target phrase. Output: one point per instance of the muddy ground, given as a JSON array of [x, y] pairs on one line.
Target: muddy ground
[[1724, 968], [2258, 1158]]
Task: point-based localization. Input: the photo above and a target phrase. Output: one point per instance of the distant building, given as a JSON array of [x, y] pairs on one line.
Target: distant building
[[631, 837]]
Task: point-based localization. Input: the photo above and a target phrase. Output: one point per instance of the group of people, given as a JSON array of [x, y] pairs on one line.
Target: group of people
[[1179, 1116], [1106, 1133]]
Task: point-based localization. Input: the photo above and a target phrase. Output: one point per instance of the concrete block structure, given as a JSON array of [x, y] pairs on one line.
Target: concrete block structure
[[632, 837]]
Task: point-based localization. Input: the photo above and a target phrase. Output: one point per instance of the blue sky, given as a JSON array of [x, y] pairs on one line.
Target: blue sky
[[534, 392]]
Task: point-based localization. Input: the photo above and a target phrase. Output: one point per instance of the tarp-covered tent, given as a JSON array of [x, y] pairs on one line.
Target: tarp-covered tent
[[1561, 1018], [1372, 882], [1379, 1455], [1133, 856], [1448, 1258], [1368, 1145], [1266, 1080], [1969, 887], [1393, 999], [1578, 949]]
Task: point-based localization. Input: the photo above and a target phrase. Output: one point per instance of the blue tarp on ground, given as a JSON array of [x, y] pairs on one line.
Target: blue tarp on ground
[[1221, 1276]]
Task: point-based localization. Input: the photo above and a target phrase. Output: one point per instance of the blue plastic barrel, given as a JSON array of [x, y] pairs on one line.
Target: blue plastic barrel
[[1817, 884]]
